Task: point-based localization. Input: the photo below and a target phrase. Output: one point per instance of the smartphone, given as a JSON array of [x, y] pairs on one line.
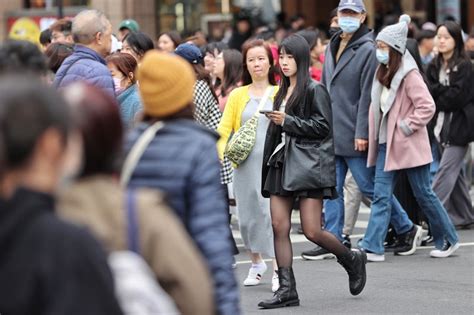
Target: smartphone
[[266, 111]]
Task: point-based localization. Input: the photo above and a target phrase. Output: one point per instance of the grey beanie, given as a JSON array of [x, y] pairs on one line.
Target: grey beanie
[[396, 35]]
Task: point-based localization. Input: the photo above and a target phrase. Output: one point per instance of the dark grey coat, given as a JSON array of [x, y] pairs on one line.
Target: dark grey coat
[[349, 83]]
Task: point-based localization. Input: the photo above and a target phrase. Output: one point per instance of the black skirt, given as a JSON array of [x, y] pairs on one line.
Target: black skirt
[[273, 185]]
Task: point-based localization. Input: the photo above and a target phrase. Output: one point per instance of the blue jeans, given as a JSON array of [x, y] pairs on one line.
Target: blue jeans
[[364, 177], [419, 178]]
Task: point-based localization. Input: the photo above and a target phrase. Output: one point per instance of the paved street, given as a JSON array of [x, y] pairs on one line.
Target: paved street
[[415, 284]]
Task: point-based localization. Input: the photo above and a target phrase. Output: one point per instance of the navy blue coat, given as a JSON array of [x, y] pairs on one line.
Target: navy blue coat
[[182, 162], [85, 64]]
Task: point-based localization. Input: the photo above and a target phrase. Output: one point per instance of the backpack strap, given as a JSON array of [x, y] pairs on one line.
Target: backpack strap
[[137, 151], [132, 222]]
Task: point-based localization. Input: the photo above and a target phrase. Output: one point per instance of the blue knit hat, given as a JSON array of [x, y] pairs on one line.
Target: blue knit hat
[[396, 35]]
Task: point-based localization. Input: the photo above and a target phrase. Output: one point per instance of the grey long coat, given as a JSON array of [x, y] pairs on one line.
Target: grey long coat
[[349, 83]]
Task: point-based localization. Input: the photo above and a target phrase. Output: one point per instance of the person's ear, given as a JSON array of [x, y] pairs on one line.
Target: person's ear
[[98, 37], [131, 76], [363, 17], [50, 145]]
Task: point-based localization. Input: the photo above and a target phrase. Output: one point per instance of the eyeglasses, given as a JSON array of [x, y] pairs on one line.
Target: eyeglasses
[[59, 35]]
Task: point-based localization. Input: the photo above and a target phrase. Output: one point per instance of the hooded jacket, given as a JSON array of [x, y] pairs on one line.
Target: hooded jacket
[[409, 109], [48, 266], [349, 82]]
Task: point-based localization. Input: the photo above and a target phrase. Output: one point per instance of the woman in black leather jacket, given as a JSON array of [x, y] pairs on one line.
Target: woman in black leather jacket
[[299, 162]]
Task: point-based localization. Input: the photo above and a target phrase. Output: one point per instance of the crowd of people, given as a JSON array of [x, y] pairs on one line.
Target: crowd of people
[[120, 156]]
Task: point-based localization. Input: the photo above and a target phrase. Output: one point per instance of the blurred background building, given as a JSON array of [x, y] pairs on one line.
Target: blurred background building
[[28, 17]]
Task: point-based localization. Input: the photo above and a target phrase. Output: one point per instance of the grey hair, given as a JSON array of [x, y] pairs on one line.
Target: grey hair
[[87, 24]]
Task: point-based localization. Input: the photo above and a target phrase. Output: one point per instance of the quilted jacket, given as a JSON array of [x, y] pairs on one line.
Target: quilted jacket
[[182, 162], [85, 65]]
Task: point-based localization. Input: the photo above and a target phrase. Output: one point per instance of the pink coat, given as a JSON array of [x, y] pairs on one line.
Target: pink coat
[[408, 144]]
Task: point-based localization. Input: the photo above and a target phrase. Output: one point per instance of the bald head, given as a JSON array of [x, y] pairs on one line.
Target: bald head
[[87, 24]]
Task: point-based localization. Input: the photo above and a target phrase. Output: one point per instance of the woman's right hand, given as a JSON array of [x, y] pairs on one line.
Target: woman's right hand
[[278, 118]]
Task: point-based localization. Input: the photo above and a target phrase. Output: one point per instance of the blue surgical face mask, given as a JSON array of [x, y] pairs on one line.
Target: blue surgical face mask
[[349, 24], [382, 56]]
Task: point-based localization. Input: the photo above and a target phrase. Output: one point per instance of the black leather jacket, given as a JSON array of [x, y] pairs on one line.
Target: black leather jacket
[[310, 123]]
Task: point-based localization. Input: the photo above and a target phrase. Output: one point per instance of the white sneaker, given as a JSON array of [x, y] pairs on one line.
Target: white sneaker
[[372, 257], [446, 251], [275, 282], [255, 274]]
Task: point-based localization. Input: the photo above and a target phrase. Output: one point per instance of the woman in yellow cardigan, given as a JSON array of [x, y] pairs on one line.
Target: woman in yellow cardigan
[[253, 210]]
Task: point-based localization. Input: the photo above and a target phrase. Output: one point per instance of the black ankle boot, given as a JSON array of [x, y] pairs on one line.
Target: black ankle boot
[[286, 295], [354, 263]]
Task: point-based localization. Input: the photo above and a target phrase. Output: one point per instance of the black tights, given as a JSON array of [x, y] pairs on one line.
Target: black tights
[[310, 215]]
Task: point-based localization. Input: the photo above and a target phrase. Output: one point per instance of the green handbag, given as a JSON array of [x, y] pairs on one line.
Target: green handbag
[[241, 143]]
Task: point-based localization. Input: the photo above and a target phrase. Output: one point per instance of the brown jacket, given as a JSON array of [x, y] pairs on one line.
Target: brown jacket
[[99, 203]]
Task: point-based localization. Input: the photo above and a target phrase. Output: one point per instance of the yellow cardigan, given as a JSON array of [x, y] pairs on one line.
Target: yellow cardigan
[[232, 117]]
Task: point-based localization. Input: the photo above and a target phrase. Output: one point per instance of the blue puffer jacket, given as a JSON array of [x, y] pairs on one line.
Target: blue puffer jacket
[[182, 161], [85, 65]]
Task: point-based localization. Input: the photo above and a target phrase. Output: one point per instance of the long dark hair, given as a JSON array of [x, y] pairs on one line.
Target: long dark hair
[[385, 73], [173, 35], [139, 42], [56, 53], [296, 46], [203, 75], [459, 55], [246, 78], [232, 69]]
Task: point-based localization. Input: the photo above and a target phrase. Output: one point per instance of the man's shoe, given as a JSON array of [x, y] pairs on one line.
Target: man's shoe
[[444, 252], [317, 253], [427, 240], [394, 246], [410, 240], [346, 241]]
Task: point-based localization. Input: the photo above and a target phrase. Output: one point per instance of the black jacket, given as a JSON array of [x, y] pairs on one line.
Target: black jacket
[[457, 98], [310, 123], [48, 266]]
